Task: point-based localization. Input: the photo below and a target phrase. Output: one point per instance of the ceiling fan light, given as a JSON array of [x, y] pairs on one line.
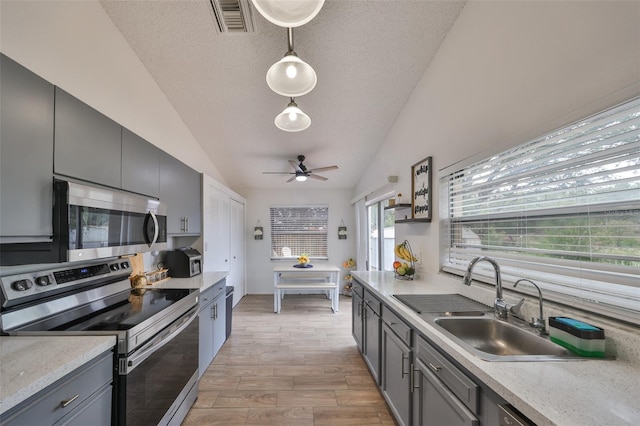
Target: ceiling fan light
[[301, 178], [291, 76], [292, 119], [288, 13]]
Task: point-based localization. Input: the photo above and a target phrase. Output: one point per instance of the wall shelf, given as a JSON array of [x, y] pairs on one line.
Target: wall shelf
[[404, 206]]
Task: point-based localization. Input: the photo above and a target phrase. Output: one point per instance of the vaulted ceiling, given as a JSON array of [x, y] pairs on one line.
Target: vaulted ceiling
[[368, 55]]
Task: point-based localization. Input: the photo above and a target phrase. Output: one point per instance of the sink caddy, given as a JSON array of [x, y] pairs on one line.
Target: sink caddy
[[577, 336]]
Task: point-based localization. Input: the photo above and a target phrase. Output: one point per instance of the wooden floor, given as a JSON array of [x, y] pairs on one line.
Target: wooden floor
[[300, 367]]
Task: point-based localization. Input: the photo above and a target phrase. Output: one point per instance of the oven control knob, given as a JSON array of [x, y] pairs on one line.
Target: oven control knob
[[114, 266], [43, 280], [124, 265], [22, 285]]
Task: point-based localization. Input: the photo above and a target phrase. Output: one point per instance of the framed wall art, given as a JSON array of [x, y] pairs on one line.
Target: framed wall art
[[421, 191]]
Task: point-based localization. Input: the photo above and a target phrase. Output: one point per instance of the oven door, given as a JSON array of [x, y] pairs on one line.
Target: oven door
[[153, 378]]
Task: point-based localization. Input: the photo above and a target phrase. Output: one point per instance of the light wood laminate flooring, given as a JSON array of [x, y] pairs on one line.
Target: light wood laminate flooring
[[300, 367]]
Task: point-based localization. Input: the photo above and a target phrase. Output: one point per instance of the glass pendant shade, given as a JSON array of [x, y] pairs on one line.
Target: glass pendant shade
[[291, 76], [288, 13], [292, 119], [301, 178]]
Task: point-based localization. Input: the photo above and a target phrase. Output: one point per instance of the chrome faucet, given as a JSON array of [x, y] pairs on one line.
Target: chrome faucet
[[500, 307], [537, 323]]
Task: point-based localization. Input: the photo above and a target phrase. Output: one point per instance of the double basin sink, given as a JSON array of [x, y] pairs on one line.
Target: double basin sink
[[474, 327]]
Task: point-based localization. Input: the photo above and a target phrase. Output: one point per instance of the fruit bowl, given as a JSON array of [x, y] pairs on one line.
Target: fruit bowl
[[405, 268]]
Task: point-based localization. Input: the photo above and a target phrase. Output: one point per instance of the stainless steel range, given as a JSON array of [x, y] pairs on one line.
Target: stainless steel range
[[156, 367]]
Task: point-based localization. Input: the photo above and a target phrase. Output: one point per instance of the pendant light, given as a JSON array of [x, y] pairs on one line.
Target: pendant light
[[291, 76], [292, 119], [288, 13]]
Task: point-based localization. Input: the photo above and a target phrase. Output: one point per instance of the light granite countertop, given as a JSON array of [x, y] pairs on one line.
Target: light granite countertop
[[30, 364], [581, 392], [202, 281]]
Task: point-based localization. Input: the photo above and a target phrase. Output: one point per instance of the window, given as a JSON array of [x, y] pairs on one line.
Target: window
[[380, 223], [562, 210], [297, 230]]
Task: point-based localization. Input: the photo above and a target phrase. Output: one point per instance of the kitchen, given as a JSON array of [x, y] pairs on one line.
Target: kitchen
[[500, 52]]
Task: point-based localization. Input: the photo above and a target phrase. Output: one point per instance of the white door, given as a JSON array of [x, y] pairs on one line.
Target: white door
[[237, 250], [215, 227]]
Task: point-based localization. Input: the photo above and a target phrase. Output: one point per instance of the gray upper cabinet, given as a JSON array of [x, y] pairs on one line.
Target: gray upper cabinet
[[88, 145], [26, 152], [140, 165], [180, 189]]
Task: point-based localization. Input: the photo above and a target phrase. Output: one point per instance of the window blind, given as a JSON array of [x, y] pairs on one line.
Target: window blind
[[298, 230], [563, 210]]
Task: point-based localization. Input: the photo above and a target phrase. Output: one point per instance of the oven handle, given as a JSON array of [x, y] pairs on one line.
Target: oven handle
[[131, 362]]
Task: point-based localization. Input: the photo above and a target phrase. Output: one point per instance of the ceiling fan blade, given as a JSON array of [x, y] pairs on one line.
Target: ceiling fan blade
[[278, 173], [317, 177], [296, 167], [291, 179], [324, 169]]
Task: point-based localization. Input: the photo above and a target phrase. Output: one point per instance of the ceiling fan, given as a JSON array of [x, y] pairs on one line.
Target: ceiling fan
[[301, 172]]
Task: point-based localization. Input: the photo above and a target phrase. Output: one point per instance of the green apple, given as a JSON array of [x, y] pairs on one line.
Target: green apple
[[401, 270]]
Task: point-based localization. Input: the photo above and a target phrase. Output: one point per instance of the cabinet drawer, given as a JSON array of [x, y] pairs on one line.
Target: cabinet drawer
[[462, 387], [212, 292], [372, 302], [399, 327], [358, 289], [46, 407]]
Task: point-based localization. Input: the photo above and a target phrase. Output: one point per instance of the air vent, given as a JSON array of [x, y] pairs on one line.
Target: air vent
[[233, 16]]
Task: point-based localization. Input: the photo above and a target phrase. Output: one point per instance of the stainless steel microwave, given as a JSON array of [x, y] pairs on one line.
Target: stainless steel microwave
[[95, 222]]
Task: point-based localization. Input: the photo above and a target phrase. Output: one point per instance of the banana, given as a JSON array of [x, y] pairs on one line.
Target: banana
[[405, 253], [396, 251]]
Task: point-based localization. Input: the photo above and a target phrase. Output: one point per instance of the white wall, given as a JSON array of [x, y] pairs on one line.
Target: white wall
[[506, 73], [258, 201], [74, 45]]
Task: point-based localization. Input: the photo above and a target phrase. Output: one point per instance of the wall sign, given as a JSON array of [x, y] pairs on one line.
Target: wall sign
[[421, 190]]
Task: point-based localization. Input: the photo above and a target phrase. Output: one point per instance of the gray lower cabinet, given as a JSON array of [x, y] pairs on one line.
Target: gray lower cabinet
[[443, 394], [26, 152], [372, 334], [180, 189], [212, 324], [140, 165], [357, 315], [396, 366], [80, 398], [87, 144]]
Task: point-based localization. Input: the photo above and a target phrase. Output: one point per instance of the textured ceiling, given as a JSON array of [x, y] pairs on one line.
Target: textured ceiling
[[368, 55]]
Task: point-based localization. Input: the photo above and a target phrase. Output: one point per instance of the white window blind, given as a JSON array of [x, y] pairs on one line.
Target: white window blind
[[562, 210], [297, 230]]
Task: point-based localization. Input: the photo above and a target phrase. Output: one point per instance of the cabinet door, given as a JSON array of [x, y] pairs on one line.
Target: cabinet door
[[180, 190], [205, 349], [140, 165], [357, 317], [435, 404], [371, 345], [216, 231], [219, 322], [96, 411], [396, 375], [26, 172], [237, 250], [87, 144]]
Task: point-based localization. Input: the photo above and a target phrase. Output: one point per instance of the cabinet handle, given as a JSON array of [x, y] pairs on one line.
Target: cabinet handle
[[213, 315], [416, 384], [215, 310], [64, 404], [434, 367], [186, 224], [402, 366]]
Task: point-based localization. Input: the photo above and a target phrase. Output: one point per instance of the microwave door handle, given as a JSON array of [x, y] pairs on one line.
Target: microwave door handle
[[155, 229], [157, 343]]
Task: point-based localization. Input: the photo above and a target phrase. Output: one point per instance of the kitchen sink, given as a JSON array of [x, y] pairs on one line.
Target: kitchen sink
[[496, 340]]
